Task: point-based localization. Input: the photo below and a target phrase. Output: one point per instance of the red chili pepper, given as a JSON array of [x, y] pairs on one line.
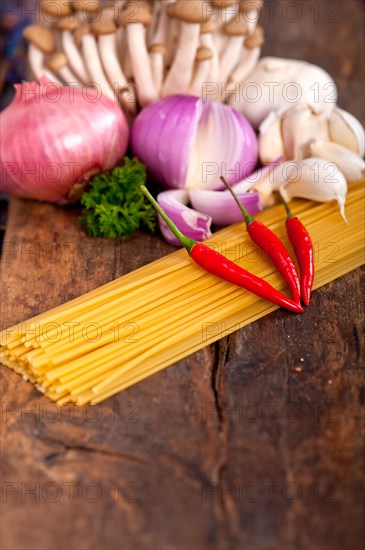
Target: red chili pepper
[[219, 265], [303, 248], [272, 246]]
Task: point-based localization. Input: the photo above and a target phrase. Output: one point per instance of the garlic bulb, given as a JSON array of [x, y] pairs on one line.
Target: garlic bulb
[[277, 84], [351, 165], [346, 130]]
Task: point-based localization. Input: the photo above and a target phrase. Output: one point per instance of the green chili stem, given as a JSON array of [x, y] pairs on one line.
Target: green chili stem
[[286, 206], [185, 241], [248, 219]]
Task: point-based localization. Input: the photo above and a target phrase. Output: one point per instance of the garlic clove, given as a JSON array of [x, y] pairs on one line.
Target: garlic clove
[[350, 164], [347, 130], [270, 179], [300, 125], [314, 179], [271, 144]]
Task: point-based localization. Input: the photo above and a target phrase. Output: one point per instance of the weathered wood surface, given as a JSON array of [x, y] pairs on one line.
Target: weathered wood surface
[[235, 447]]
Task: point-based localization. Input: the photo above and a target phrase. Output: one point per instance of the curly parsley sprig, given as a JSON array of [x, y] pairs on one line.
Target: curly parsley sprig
[[114, 205]]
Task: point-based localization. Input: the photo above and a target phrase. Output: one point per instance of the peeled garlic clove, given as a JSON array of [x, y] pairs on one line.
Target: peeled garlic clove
[[350, 164], [314, 179], [270, 140], [346, 130], [300, 125]]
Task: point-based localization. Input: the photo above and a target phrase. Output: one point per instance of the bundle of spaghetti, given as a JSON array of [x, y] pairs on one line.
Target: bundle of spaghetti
[[89, 349]]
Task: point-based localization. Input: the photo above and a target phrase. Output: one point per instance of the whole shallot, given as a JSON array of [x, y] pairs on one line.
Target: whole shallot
[[53, 138]]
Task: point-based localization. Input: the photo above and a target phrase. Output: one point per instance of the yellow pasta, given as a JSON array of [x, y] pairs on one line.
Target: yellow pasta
[[88, 349]]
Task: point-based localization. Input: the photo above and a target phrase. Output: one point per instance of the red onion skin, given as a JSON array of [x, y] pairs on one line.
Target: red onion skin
[[162, 137], [152, 142], [194, 225], [51, 136]]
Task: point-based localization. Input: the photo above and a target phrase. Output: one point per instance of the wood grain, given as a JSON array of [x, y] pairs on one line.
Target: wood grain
[[256, 442]]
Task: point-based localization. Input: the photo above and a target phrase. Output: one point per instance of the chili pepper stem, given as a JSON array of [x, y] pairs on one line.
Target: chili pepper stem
[[289, 215], [185, 241], [248, 219]]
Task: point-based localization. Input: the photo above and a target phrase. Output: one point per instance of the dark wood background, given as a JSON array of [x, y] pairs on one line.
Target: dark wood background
[[255, 442]]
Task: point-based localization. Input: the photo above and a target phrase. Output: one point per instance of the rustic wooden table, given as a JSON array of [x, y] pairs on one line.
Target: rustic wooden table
[[253, 443]]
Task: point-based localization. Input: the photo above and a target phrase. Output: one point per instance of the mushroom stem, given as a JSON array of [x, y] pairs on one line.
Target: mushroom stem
[[157, 49], [107, 50], [136, 37], [246, 64], [36, 57], [200, 76], [179, 76], [74, 57], [93, 64], [36, 61], [51, 76], [67, 75], [224, 15], [252, 18], [249, 56], [113, 70], [157, 56], [230, 56]]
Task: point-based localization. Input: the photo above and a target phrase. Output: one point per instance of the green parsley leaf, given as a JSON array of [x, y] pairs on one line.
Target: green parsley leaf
[[115, 205]]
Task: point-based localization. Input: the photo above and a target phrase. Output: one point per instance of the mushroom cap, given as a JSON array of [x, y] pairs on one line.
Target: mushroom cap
[[223, 3], [56, 61], [57, 8], [104, 25], [88, 6], [41, 37], [157, 48], [249, 5], [82, 30], [203, 54], [67, 24], [208, 27], [189, 11], [256, 39], [135, 11], [236, 28]]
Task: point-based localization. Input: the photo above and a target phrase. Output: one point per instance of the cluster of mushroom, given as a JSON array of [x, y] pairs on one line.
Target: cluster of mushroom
[[140, 50]]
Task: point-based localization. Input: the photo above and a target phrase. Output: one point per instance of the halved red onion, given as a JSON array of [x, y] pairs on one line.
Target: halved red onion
[[191, 223], [186, 142]]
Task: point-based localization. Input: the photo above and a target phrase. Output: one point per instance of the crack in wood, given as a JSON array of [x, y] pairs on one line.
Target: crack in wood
[[357, 339], [195, 477], [223, 513], [52, 457]]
